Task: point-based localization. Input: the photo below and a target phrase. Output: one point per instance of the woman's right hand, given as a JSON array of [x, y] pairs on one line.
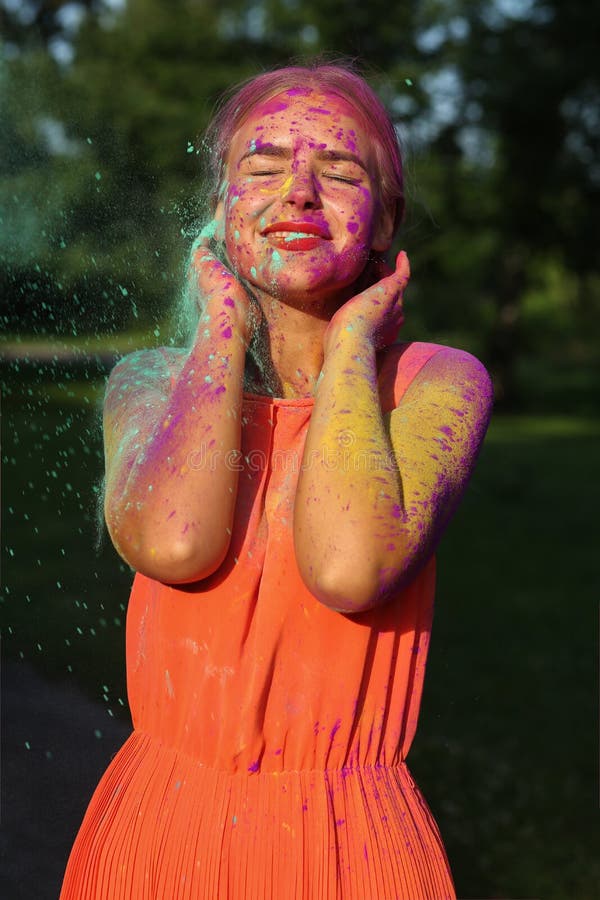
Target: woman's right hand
[[215, 285]]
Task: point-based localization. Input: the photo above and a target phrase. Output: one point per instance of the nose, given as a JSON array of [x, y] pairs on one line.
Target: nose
[[300, 189]]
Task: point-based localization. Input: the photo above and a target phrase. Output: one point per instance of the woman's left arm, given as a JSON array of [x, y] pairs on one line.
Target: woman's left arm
[[376, 491]]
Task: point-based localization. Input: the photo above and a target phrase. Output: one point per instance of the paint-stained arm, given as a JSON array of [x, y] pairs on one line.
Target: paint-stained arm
[[168, 512], [376, 491]]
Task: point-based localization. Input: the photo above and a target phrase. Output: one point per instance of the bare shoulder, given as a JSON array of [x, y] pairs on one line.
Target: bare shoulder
[[137, 394], [447, 407], [454, 377], [457, 360], [152, 370]]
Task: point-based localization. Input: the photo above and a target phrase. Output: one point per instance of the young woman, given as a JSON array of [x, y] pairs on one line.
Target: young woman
[[280, 486]]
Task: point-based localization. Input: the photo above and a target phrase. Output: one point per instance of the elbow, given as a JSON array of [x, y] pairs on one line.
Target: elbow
[[180, 562], [345, 591], [167, 558], [348, 590]]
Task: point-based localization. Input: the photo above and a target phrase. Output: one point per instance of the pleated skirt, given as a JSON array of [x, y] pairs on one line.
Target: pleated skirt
[[160, 826]]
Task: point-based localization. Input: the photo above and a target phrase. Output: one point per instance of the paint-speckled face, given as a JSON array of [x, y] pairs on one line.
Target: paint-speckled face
[[300, 207]]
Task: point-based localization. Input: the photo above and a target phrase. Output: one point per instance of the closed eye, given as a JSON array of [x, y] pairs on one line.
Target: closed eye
[[345, 178]]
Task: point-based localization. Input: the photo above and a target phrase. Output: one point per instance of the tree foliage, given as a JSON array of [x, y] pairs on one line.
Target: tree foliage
[[103, 105]]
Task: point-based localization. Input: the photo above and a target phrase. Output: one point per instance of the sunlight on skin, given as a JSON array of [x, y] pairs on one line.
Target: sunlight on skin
[[302, 225], [390, 483], [302, 160]]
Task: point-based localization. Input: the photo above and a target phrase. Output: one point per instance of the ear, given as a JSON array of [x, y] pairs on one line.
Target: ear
[[384, 232]]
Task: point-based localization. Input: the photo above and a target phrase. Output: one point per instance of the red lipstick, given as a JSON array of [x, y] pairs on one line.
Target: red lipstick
[[299, 227], [300, 235]]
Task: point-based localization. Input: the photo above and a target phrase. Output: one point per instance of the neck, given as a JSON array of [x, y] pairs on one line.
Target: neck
[[286, 354]]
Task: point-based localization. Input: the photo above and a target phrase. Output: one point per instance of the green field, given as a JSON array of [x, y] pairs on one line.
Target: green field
[[507, 745]]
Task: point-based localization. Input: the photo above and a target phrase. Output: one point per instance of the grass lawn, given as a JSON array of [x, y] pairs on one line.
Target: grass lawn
[[506, 748]]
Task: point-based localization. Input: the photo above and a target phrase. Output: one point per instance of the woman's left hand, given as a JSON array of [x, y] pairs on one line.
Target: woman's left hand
[[377, 313]]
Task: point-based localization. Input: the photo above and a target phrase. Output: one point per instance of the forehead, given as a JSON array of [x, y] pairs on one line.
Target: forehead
[[316, 118]]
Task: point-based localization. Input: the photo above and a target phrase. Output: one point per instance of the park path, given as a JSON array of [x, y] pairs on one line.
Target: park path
[[31, 352], [55, 745]]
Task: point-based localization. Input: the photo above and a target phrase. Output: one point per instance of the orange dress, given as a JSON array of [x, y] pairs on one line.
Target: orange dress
[[270, 733]]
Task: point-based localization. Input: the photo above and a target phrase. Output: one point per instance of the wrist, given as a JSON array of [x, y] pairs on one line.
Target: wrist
[[351, 337], [223, 320]]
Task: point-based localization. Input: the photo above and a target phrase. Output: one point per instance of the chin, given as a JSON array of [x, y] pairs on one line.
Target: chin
[[296, 281]]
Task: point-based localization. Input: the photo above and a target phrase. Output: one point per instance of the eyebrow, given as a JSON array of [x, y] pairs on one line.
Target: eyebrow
[[277, 152]]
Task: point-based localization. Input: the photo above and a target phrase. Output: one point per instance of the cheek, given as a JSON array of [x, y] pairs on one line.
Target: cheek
[[360, 216], [234, 218]]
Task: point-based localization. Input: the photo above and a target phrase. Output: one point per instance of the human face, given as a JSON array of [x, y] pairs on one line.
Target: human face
[[300, 209]]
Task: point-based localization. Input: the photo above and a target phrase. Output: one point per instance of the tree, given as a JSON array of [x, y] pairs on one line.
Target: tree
[[496, 102]]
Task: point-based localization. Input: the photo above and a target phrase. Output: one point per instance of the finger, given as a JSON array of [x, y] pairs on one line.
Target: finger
[[403, 266], [393, 279]]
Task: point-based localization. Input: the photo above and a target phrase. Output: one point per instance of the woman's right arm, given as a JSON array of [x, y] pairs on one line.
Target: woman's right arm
[[170, 485]]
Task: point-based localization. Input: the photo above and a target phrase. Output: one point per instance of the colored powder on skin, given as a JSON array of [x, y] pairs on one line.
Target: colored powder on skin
[[253, 271], [352, 227], [299, 92], [273, 106]]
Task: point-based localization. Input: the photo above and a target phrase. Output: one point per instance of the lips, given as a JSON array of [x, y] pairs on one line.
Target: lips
[[296, 236], [299, 229]]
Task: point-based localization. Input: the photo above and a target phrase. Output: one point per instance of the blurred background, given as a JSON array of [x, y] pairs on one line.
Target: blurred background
[[497, 102]]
